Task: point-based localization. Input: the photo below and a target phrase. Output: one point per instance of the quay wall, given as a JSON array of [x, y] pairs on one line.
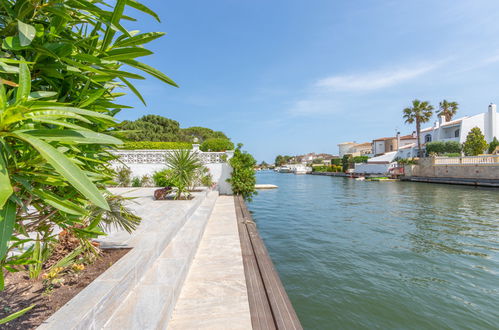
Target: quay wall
[[432, 168]]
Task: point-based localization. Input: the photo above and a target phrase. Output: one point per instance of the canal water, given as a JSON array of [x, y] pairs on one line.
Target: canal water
[[383, 255]]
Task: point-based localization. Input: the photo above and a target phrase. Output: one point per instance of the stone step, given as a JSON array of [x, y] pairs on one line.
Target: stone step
[[150, 304]]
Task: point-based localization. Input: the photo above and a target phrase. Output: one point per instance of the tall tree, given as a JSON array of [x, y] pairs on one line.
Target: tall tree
[[447, 109], [475, 143], [419, 113]]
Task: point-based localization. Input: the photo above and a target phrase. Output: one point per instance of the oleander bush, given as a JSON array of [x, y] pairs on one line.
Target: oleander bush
[[133, 145], [62, 66], [216, 144]]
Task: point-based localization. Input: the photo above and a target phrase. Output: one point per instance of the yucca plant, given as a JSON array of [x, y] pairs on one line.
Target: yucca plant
[[61, 64], [184, 167]]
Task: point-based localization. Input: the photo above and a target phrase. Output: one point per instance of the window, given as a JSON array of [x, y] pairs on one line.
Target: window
[[427, 138], [456, 133]]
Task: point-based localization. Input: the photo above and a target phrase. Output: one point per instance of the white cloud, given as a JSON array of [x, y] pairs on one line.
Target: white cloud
[[327, 95], [373, 80]]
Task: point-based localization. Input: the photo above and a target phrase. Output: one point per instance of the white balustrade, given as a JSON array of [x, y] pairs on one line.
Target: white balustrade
[[159, 156], [468, 160]]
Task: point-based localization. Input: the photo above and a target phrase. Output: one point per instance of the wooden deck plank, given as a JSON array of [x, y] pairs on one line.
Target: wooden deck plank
[[261, 314], [263, 276]]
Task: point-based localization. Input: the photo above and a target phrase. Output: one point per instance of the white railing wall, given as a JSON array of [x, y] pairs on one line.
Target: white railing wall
[[146, 162], [467, 160]]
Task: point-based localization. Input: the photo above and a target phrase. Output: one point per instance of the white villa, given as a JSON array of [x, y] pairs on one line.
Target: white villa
[[454, 130], [457, 130]]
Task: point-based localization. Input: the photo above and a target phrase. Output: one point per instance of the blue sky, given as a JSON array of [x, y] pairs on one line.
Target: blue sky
[[290, 77]]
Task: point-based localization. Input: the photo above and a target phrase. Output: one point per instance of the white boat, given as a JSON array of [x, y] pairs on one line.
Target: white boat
[[284, 169]]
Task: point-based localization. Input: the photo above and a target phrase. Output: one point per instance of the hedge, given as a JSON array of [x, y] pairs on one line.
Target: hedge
[[440, 147], [156, 145], [216, 144]]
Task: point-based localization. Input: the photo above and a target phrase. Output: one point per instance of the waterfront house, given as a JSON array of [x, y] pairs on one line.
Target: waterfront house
[[458, 129], [389, 144], [355, 149]]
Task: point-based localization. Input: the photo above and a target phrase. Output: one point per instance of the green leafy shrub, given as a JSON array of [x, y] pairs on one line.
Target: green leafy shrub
[[493, 145], [61, 64], [163, 178], [216, 144], [360, 159], [145, 181], [336, 161], [440, 147], [243, 178], [452, 154], [156, 145], [327, 168], [207, 180], [123, 177], [136, 182], [475, 143]]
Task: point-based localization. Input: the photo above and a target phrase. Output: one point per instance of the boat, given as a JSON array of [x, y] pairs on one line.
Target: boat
[[284, 169]]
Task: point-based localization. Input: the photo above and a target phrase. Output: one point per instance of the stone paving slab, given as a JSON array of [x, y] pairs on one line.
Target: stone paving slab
[[161, 222], [214, 295], [150, 304]]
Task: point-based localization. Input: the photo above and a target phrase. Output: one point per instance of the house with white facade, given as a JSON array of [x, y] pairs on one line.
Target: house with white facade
[[389, 144], [458, 129]]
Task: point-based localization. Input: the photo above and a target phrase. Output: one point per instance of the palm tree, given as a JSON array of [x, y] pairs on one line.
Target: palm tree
[[447, 109], [420, 112]]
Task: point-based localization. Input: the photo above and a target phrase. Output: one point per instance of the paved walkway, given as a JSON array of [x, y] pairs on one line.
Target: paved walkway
[[214, 295]]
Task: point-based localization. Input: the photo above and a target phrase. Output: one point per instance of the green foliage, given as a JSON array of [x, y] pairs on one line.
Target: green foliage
[[201, 133], [118, 216], [156, 145], [152, 128], [206, 180], [325, 168], [440, 147], [419, 113], [216, 144], [346, 161], [184, 166], [136, 182], [281, 160], [336, 161], [359, 159], [493, 145], [157, 128], [318, 161], [243, 178], [61, 64], [452, 154], [123, 177], [163, 178], [447, 109], [406, 161], [475, 143]]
